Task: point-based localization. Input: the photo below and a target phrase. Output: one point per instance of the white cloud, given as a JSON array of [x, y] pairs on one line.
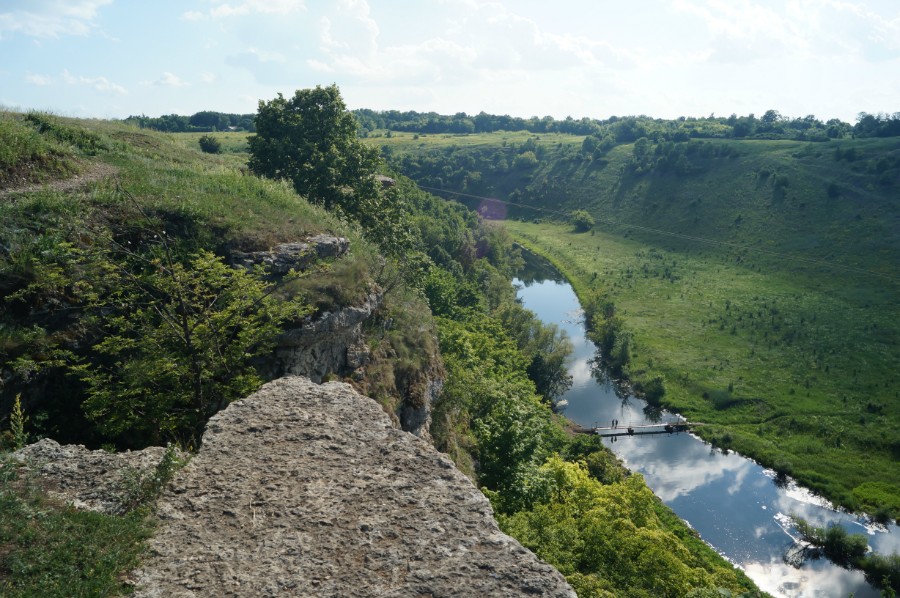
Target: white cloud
[[744, 31], [193, 15], [171, 80], [478, 43], [39, 80], [208, 78], [747, 30], [222, 9], [263, 56], [52, 18], [98, 83], [268, 67]]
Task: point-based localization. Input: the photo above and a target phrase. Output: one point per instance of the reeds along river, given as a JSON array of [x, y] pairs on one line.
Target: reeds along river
[[737, 506]]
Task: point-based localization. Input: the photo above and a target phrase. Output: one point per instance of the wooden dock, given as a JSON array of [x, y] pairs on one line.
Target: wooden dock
[[669, 427]]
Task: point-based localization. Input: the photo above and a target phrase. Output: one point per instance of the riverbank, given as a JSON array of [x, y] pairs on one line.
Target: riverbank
[[738, 507], [757, 355]]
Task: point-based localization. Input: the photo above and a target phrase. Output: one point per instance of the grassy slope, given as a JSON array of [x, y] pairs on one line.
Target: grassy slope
[[49, 549], [789, 295]]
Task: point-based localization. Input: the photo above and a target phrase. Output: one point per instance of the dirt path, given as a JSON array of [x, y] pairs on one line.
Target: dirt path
[[96, 171]]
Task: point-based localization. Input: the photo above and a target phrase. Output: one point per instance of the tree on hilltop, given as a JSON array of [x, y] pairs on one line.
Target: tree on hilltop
[[311, 140]]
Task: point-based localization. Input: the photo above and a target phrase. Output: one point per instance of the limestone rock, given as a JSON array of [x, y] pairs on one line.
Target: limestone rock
[[91, 480], [285, 257], [320, 346], [307, 490]]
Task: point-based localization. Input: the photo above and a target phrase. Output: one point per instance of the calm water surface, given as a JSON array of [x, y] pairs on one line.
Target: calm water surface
[[734, 503]]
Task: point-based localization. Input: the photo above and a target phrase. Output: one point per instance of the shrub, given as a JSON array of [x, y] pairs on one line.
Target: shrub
[[525, 161], [210, 144], [582, 220], [654, 389]]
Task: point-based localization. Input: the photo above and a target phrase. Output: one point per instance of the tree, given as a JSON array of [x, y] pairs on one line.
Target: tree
[[179, 345], [545, 345], [582, 220], [525, 161], [210, 120], [311, 140]]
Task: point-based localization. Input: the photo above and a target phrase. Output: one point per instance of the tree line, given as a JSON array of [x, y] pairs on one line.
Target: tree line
[[206, 121], [620, 129], [625, 129]]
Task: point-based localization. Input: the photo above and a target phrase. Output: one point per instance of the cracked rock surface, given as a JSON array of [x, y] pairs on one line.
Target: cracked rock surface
[[307, 490]]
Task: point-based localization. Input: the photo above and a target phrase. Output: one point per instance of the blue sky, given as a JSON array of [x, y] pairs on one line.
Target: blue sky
[[595, 58]]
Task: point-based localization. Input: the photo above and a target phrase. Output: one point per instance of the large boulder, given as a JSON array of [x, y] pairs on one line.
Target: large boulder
[[308, 490]]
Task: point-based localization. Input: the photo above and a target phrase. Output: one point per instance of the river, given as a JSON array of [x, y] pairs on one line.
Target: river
[[735, 505]]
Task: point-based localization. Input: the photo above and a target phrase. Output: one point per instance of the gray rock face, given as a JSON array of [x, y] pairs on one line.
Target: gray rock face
[[307, 490], [415, 418], [320, 346], [91, 480], [283, 258]]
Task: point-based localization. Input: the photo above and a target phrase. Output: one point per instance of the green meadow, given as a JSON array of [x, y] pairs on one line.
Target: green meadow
[[796, 369]]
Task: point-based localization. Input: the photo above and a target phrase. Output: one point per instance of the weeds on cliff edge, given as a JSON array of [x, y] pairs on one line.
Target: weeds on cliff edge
[[49, 549], [141, 489]]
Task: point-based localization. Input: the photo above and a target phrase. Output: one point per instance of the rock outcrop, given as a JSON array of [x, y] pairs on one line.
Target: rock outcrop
[[86, 479], [285, 257], [330, 343], [307, 490]]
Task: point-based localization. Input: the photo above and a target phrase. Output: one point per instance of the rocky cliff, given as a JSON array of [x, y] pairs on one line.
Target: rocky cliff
[[333, 341], [308, 490]]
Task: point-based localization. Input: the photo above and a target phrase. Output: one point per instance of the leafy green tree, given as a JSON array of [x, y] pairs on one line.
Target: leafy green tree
[[179, 345], [511, 444], [582, 220], [311, 140], [525, 161], [607, 538], [547, 347], [653, 389]]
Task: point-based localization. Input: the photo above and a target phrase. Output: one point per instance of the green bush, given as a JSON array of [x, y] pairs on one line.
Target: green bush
[[88, 142], [525, 161], [179, 343], [210, 144], [582, 221]]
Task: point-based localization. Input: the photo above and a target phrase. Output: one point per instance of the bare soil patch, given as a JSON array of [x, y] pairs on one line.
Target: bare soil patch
[[95, 171]]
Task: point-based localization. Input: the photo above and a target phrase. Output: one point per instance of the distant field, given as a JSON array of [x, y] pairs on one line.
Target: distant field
[[795, 369], [232, 142], [411, 141]]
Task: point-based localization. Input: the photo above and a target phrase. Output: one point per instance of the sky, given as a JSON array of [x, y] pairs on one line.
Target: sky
[[579, 58]]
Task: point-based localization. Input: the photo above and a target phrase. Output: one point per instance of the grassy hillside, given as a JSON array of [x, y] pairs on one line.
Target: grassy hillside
[[81, 204], [759, 278], [833, 201]]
